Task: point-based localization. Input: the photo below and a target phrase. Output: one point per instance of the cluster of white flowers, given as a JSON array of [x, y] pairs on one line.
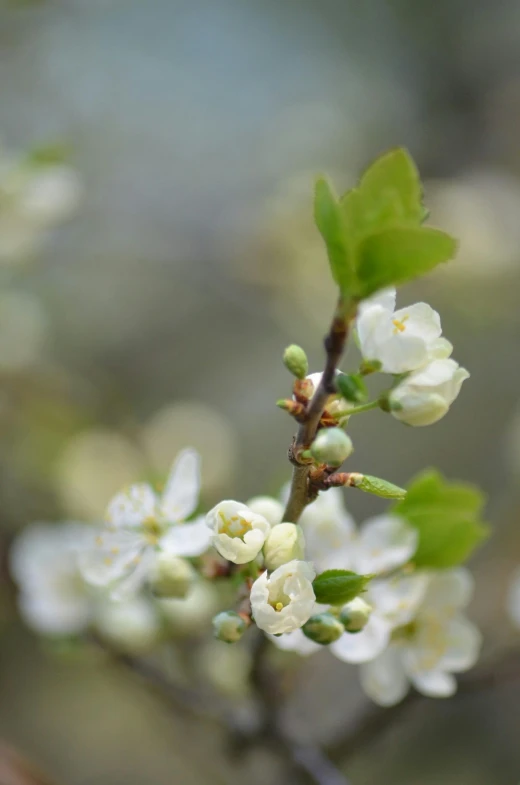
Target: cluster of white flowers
[[409, 341], [412, 628]]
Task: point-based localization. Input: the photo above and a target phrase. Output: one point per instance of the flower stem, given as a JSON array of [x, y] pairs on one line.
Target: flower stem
[[363, 407]]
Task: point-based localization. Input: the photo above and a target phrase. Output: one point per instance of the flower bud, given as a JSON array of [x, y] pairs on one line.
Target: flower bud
[[271, 509], [331, 446], [323, 628], [425, 396], [295, 360], [377, 486], [229, 626], [285, 543], [171, 576], [355, 615]]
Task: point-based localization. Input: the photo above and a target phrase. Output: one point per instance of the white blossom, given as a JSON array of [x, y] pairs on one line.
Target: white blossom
[[284, 600], [427, 651], [141, 524], [425, 396], [237, 532], [402, 340], [53, 599], [271, 509], [131, 625], [285, 543], [332, 541], [296, 642], [394, 602], [192, 613]]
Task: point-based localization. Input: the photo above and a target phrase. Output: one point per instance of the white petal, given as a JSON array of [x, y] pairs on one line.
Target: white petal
[[295, 641], [53, 613], [434, 683], [269, 508], [384, 679], [420, 320], [134, 581], [384, 542], [449, 590], [181, 492], [131, 507], [463, 644], [435, 373], [365, 645], [385, 298], [187, 539], [400, 353], [114, 556], [398, 599]]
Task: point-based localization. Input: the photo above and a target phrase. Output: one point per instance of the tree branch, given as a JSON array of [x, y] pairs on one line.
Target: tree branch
[[335, 342]]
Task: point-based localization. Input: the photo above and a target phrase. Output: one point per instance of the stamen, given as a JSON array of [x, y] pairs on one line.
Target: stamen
[[279, 606]]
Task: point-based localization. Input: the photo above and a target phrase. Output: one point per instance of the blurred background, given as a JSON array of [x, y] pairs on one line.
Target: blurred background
[[149, 285]]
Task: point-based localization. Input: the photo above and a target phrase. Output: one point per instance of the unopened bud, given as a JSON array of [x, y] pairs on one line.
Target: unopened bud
[[295, 360], [376, 486], [171, 576], [355, 615], [285, 543], [229, 626], [323, 628], [331, 446]]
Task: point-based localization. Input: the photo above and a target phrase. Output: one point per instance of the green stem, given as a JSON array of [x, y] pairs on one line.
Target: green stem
[[364, 407]]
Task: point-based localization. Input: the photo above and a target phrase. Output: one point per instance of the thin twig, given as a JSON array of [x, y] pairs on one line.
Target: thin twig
[[335, 343]]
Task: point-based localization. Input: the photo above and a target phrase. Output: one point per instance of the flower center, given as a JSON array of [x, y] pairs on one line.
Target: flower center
[[399, 324], [234, 526], [152, 530]]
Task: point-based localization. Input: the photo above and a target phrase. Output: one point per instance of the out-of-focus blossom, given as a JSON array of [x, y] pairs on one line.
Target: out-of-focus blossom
[[131, 625], [53, 598], [141, 523], [438, 642], [192, 614]]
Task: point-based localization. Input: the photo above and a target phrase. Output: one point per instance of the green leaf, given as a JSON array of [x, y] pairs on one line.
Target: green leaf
[[389, 193], [447, 517], [351, 387], [399, 254], [337, 587], [377, 486], [332, 226]]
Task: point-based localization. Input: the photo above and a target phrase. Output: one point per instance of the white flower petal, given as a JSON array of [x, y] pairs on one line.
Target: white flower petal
[[365, 645], [463, 644], [398, 599], [114, 555], [420, 320], [181, 493], [187, 539], [385, 542], [434, 683], [295, 641], [130, 508], [449, 590], [269, 508], [133, 581], [290, 587], [384, 679], [54, 613]]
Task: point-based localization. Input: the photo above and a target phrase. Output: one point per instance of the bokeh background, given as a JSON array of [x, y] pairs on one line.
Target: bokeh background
[[156, 315]]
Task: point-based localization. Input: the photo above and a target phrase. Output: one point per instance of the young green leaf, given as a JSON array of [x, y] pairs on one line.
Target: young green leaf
[[389, 193], [399, 254], [332, 227], [447, 517], [337, 587], [351, 387]]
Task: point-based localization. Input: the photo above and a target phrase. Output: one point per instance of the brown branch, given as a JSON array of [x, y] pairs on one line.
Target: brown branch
[[335, 342]]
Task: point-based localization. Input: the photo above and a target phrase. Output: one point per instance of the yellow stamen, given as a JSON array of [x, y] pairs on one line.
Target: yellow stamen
[[114, 550], [99, 541], [399, 324], [279, 606], [108, 561]]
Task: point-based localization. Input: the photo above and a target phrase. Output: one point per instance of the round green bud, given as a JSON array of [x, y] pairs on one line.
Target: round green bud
[[171, 576], [323, 628], [331, 446], [229, 626], [355, 615], [295, 360]]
